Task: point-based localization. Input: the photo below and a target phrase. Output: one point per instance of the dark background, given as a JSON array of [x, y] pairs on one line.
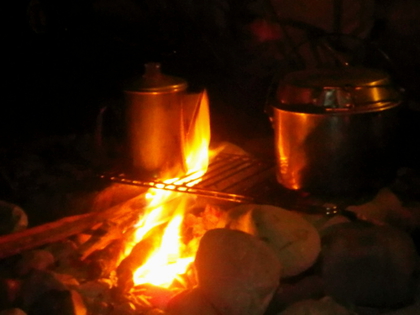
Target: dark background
[[67, 59]]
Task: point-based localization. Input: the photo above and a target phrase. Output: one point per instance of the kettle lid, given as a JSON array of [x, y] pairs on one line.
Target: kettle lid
[[153, 80]]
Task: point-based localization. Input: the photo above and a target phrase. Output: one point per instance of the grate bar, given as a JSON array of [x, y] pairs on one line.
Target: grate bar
[[181, 188], [229, 177]]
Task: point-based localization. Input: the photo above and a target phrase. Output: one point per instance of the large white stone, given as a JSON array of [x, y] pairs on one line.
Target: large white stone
[[237, 273], [295, 241]]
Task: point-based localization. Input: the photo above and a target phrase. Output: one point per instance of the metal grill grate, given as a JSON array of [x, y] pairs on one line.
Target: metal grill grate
[[234, 178]]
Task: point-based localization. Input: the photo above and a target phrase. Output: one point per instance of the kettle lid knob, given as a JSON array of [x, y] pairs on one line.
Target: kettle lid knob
[[153, 80]]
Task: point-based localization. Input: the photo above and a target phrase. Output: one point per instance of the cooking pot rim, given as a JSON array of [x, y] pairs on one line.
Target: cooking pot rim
[[309, 109]]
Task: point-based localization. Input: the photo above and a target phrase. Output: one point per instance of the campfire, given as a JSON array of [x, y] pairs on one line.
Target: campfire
[[172, 247], [172, 258]]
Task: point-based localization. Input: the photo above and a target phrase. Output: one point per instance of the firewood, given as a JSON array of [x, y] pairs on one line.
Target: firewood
[[15, 243], [137, 257], [106, 234], [102, 262]]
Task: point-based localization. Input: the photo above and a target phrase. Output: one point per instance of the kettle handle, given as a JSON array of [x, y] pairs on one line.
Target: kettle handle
[[99, 126], [106, 114]]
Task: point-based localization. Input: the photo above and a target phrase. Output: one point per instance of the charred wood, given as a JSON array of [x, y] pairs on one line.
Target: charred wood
[[58, 230]]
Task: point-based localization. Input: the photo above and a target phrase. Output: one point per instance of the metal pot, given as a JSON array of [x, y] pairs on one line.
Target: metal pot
[[335, 130]]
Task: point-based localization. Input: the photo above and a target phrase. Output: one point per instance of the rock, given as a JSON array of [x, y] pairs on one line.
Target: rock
[[157, 296], [412, 309], [237, 273], [310, 287], [68, 280], [34, 259], [13, 311], [97, 295], [324, 306], [64, 252], [38, 283], [191, 302], [295, 241], [409, 310], [9, 291], [156, 311], [125, 308], [370, 266], [63, 302], [322, 222], [12, 218], [387, 208], [99, 289], [97, 307]]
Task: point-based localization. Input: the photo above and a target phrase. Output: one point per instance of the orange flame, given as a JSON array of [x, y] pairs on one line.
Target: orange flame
[[171, 258]]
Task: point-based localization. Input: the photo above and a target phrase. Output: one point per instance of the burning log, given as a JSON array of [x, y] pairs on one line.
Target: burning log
[[102, 262], [108, 232], [137, 257], [18, 242]]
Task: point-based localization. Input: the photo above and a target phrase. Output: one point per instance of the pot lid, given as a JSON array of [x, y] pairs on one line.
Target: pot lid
[[338, 77], [153, 80], [336, 89]]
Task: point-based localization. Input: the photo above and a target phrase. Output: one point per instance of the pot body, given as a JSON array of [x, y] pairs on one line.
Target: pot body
[[335, 153]]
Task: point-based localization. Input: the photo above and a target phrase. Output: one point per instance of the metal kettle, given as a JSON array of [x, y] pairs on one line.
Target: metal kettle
[[157, 118]]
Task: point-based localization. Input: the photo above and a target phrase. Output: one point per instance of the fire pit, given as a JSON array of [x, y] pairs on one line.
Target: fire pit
[[81, 236], [96, 262], [214, 233]]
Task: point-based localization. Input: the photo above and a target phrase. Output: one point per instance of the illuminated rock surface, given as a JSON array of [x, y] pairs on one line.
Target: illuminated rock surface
[[371, 266], [237, 273], [295, 241]]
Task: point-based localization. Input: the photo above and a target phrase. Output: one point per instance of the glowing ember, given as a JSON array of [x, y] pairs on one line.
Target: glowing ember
[[172, 258]]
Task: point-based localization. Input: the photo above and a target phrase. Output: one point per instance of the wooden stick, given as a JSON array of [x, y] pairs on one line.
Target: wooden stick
[[106, 233], [15, 243]]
